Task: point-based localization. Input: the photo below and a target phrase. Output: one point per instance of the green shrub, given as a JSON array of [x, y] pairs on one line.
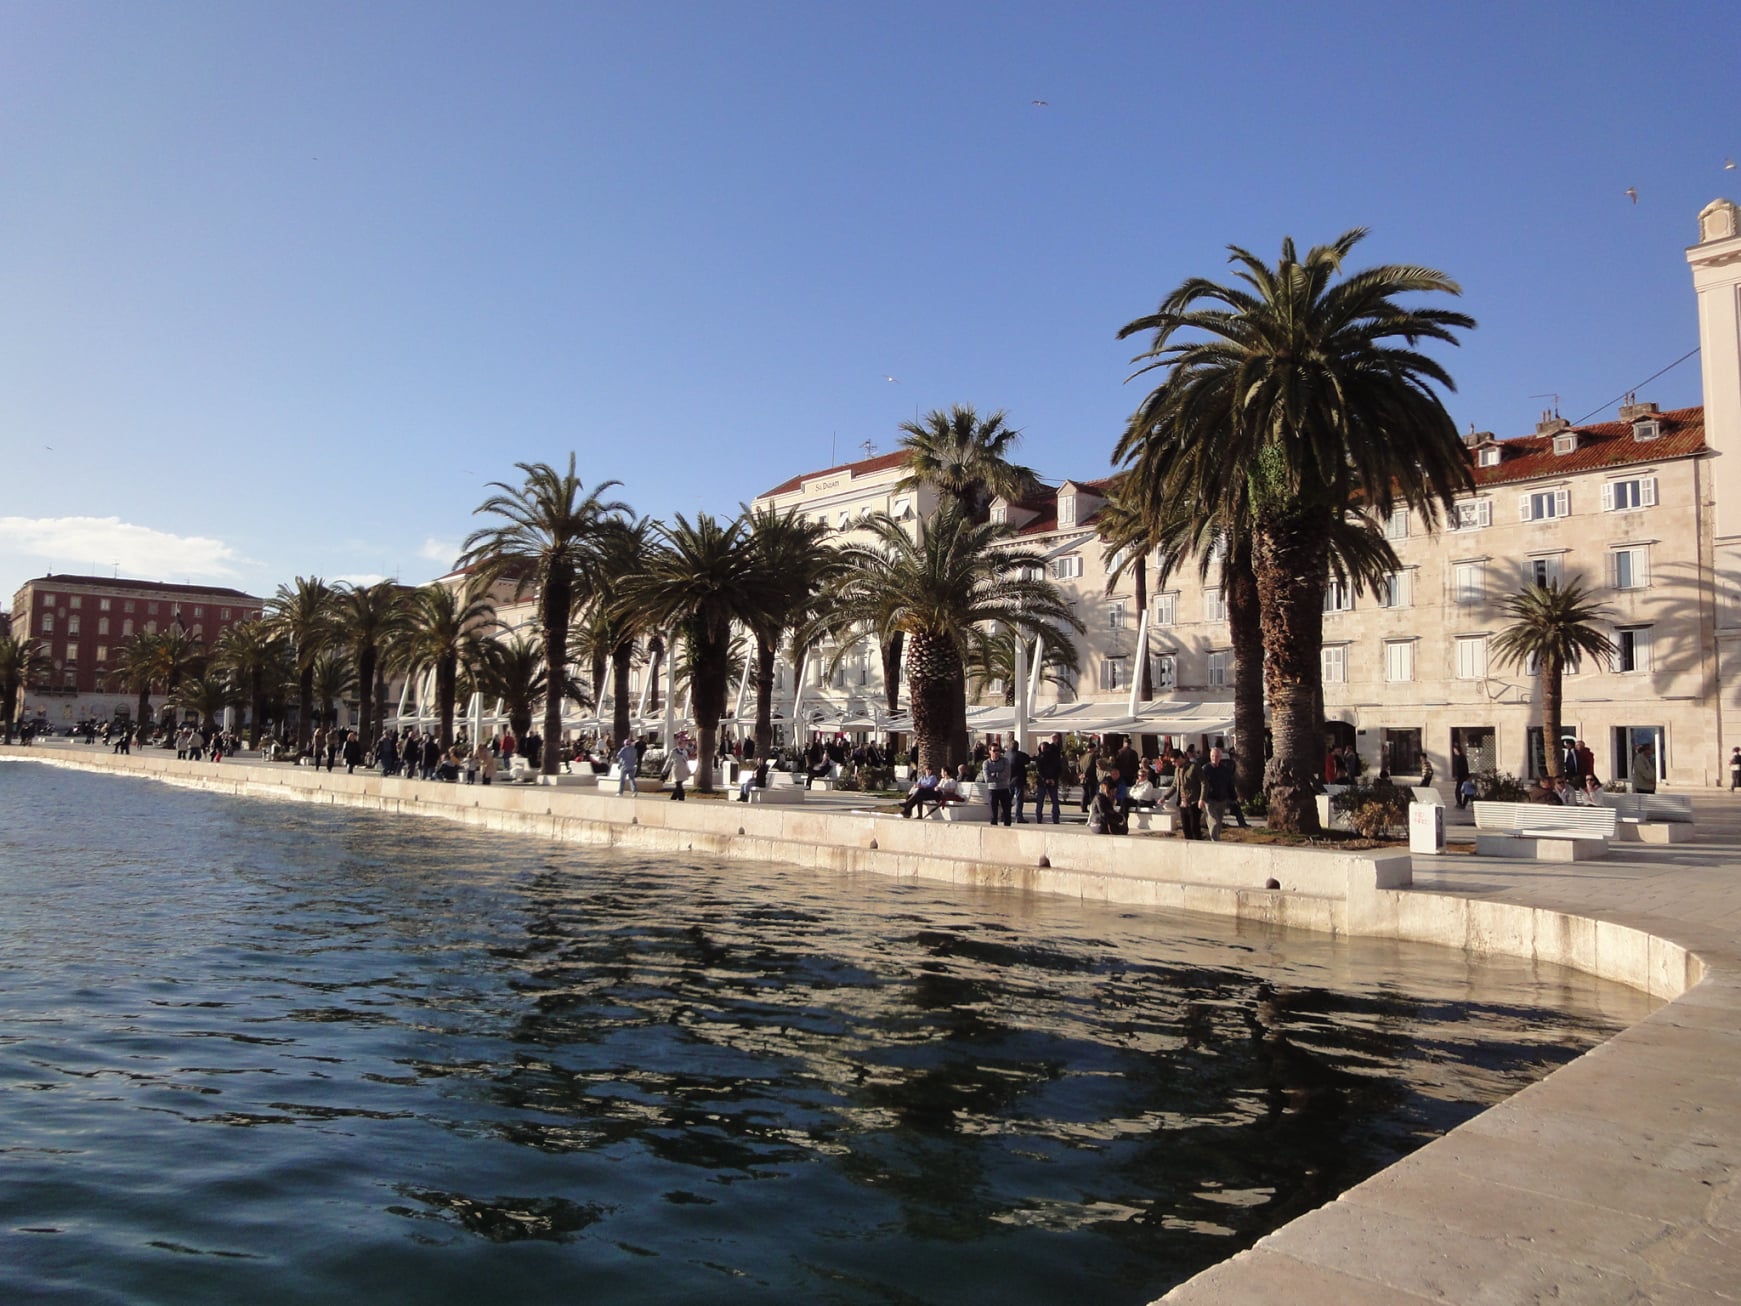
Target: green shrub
[[1499, 787], [1373, 809]]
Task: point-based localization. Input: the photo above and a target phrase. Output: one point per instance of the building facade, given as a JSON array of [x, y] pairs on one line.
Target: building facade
[[77, 625]]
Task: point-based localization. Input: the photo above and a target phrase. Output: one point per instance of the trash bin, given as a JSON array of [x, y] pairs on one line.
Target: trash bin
[[1426, 828]]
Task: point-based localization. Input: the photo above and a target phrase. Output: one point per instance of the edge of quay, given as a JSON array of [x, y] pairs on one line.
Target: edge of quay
[[1615, 1178]]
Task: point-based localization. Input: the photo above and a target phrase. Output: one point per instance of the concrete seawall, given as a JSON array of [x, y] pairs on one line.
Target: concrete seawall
[[1617, 1178]]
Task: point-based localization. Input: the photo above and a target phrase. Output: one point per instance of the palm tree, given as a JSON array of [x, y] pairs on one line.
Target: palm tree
[[1126, 527], [366, 619], [699, 580], [258, 666], [178, 655], [17, 660], [1286, 402], [512, 670], [444, 631], [334, 678], [794, 562], [135, 670], [965, 458], [937, 586], [205, 696], [620, 550], [1553, 626], [300, 616], [991, 658], [547, 527]]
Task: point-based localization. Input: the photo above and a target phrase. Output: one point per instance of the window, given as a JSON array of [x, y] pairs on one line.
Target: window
[[1397, 527], [1220, 664], [199, 634], [126, 629], [127, 606], [151, 628], [1215, 605], [1472, 516], [102, 605], [1000, 515], [1338, 596], [842, 518], [102, 653], [152, 609], [1629, 567], [1619, 496], [72, 625], [1467, 583], [1164, 671], [1112, 673], [1335, 663], [46, 627], [1069, 567], [223, 614], [1166, 609], [1488, 457], [1544, 504], [1646, 429], [74, 602], [102, 625], [1632, 648], [1115, 617], [1542, 570], [72, 653], [1398, 590], [1565, 444], [1066, 510], [1399, 660], [1471, 657]]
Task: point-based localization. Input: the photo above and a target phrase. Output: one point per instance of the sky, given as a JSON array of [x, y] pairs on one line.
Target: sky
[[285, 286]]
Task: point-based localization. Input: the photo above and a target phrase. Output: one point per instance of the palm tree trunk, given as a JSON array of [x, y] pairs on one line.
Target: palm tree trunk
[[446, 682], [766, 656], [655, 664], [1145, 684], [366, 694], [934, 679], [709, 677], [556, 598], [1246, 628], [1552, 698], [891, 650], [304, 704], [621, 658], [1290, 559]]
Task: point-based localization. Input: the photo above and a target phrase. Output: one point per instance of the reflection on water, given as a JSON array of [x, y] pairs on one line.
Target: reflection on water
[[264, 1053]]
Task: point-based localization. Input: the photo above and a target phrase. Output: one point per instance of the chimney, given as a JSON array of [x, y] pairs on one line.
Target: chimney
[[1474, 439], [1551, 423], [1632, 409]]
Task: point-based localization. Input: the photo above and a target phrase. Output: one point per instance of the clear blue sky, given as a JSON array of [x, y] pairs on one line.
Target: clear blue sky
[[284, 285]]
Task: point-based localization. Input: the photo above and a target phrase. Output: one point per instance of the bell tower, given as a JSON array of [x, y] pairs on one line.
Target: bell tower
[[1716, 264]]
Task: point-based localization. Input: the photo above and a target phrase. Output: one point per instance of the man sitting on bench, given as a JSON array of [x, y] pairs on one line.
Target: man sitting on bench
[[924, 791]]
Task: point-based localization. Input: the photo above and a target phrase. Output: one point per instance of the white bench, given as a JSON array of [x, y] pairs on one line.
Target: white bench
[[1542, 831], [1154, 820], [1651, 818], [776, 794]]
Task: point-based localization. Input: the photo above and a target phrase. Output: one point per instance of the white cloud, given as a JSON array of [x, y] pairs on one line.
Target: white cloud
[[361, 579], [99, 544], [440, 551]]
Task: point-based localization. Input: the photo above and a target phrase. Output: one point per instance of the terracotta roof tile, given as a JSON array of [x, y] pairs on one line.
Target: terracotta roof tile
[[1604, 445], [864, 467]]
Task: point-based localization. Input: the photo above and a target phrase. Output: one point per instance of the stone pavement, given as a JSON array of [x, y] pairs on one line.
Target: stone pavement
[[1616, 1179]]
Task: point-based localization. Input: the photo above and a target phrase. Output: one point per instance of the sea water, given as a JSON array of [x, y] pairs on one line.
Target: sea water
[[259, 1052]]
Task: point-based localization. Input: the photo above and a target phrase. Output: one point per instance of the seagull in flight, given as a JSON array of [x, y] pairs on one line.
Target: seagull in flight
[[1729, 165], [895, 379], [1632, 193], [1040, 104]]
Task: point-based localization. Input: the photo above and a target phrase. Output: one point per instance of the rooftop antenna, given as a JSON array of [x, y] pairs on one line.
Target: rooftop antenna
[[870, 448], [832, 436], [1550, 395]]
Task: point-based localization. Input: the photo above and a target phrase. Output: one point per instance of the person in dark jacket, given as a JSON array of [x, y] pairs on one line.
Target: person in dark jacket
[[1219, 793]]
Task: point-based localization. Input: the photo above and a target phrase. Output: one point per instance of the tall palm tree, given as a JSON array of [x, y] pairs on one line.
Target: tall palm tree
[[1285, 401], [366, 619], [17, 659], [965, 457], [512, 670], [300, 616], [794, 561], [621, 549], [1553, 626], [257, 664], [335, 677], [1126, 527], [700, 580], [135, 670], [937, 586], [546, 528], [444, 629]]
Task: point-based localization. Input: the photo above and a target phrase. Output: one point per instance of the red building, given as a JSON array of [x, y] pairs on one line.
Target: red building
[[78, 623]]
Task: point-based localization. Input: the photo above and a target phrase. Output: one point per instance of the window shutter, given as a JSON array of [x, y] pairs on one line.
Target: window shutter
[[1485, 513], [1523, 507], [1562, 503], [1641, 648], [1641, 567], [1607, 496], [1647, 491]]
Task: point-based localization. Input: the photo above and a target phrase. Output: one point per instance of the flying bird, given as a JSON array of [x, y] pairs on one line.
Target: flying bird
[[1632, 193], [1729, 164], [895, 379], [1039, 104]]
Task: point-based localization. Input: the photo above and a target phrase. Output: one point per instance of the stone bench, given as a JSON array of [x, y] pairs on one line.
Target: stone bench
[[1542, 831], [1648, 807], [776, 794], [1153, 820]]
